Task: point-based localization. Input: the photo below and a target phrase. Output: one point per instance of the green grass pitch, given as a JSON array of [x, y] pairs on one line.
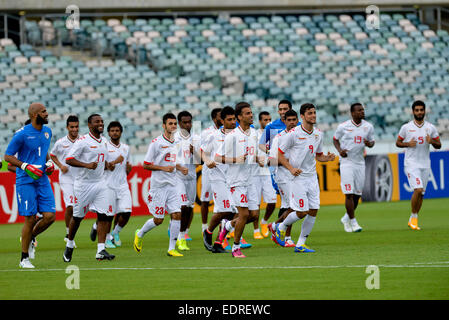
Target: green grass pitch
[[412, 264]]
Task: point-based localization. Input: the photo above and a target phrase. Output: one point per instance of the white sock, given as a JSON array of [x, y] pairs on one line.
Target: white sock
[[263, 221], [100, 247], [346, 217], [187, 230], [67, 230], [95, 225], [71, 244], [175, 226], [414, 215], [288, 238], [256, 230], [203, 227], [146, 227], [273, 225], [353, 221], [291, 218], [117, 229], [181, 235], [109, 237], [235, 247], [306, 228], [228, 226]]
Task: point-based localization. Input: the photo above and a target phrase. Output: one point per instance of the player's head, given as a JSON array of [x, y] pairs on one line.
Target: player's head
[[357, 111], [115, 130], [95, 123], [228, 117], [72, 125], [308, 113], [244, 113], [283, 107], [169, 123], [38, 113], [185, 120], [291, 119], [216, 117], [264, 119], [419, 110]]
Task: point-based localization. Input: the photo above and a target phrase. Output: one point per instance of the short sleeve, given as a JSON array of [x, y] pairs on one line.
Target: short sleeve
[[402, 133], [55, 150], [76, 150], [15, 144], [286, 142], [434, 133], [150, 155], [339, 132], [370, 136], [319, 149], [206, 145]]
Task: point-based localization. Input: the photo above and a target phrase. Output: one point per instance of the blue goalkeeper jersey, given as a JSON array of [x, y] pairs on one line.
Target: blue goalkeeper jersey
[[31, 146]]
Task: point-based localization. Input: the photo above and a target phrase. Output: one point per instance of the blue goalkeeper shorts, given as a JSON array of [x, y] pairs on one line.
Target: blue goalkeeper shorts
[[35, 197]]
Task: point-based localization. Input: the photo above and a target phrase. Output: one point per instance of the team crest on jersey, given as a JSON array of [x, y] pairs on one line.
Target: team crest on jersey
[[317, 136], [46, 135]]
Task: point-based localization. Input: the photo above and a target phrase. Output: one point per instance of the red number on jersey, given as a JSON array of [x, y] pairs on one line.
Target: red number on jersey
[[421, 140], [243, 198], [358, 139], [311, 148], [226, 204], [301, 203], [100, 157]]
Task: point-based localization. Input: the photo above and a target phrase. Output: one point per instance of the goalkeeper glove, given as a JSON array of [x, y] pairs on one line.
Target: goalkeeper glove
[[49, 167], [32, 170]]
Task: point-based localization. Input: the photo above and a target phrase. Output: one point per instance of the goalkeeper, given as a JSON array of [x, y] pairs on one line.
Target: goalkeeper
[[28, 151]]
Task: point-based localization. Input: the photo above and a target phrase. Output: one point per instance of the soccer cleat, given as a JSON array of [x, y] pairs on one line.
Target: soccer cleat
[[93, 234], [280, 235], [303, 249], [174, 253], [67, 255], [413, 224], [137, 244], [356, 227], [104, 255], [109, 244], [207, 240], [218, 248], [26, 264], [258, 235], [230, 235], [182, 245], [225, 244], [289, 243], [273, 234], [237, 254], [187, 237], [223, 232], [116, 240], [346, 224], [244, 244], [264, 230]]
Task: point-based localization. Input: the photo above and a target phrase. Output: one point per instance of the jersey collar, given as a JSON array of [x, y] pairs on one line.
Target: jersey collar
[[244, 131], [419, 126], [72, 141], [163, 135], [114, 145], [99, 141], [308, 132], [357, 125]]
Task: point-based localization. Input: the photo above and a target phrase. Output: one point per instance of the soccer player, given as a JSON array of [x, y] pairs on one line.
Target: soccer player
[[223, 207], [264, 185], [119, 158], [304, 145], [206, 190], [240, 152], [283, 177], [58, 154], [28, 152], [89, 155], [417, 136], [186, 172], [163, 195], [350, 140], [271, 130]]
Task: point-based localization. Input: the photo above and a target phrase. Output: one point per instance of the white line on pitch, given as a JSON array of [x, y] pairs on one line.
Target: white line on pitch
[[441, 264]]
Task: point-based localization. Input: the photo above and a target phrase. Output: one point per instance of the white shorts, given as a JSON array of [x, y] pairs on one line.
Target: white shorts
[[206, 189], [161, 199], [239, 196], [305, 193], [265, 189], [352, 179], [94, 197], [222, 197], [67, 194], [253, 194], [121, 200], [417, 177], [187, 190], [285, 192]]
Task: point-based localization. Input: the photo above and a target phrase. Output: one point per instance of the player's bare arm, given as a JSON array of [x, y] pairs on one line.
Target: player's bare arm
[[76, 163], [13, 160], [224, 159], [182, 169], [342, 152], [369, 144], [325, 157], [401, 144], [55, 159], [436, 143], [207, 160], [153, 167], [282, 160]]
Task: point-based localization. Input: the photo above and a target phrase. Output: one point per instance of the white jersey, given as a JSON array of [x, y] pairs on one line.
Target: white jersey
[[117, 179], [212, 146], [184, 156], [303, 146], [419, 156], [204, 135], [238, 143], [281, 174], [89, 149], [60, 150], [162, 152], [262, 171], [351, 137]]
